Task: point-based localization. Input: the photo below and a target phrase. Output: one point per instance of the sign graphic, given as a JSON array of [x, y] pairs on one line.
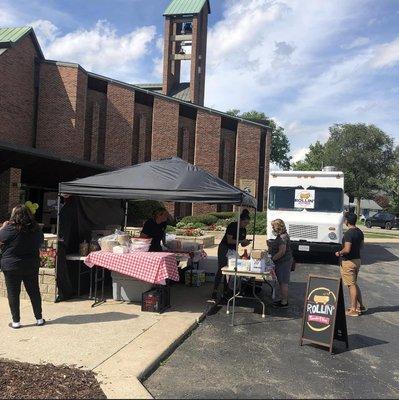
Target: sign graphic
[[248, 185], [304, 198], [324, 312]]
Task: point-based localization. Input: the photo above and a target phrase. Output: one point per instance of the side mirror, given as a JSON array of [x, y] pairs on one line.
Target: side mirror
[[351, 199]]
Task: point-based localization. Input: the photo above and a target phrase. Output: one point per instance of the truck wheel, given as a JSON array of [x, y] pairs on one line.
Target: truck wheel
[[368, 224], [388, 226]]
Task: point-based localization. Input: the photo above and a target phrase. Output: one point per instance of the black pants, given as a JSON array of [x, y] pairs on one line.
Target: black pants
[[31, 282], [222, 262]]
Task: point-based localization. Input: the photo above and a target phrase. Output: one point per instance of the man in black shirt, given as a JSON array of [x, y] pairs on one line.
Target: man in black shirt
[[155, 228], [352, 244]]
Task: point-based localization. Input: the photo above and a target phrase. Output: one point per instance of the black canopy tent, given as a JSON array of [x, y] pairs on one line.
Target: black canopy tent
[[169, 180]]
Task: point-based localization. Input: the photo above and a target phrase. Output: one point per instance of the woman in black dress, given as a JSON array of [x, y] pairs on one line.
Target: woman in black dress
[[229, 242], [20, 240]]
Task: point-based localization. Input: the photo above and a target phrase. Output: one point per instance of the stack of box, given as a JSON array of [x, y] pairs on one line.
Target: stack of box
[[195, 277]]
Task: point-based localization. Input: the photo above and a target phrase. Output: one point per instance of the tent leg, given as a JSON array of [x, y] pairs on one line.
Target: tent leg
[[235, 268], [58, 238], [126, 211], [253, 236]]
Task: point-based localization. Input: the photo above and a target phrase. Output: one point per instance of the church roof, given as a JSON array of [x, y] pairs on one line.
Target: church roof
[[183, 7], [10, 36]]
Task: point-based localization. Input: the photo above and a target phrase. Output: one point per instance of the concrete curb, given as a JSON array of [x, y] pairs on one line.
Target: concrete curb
[[149, 369], [123, 379]]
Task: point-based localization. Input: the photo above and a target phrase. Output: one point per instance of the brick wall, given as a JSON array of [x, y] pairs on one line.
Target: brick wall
[[119, 135], [165, 128], [95, 126], [247, 153], [46, 284], [142, 133], [10, 183], [17, 93], [207, 147], [62, 100]]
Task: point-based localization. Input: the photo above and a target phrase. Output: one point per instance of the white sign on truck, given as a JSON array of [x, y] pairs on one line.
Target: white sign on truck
[[311, 203]]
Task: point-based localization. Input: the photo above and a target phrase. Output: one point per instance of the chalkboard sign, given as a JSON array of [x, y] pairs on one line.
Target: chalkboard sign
[[324, 312]]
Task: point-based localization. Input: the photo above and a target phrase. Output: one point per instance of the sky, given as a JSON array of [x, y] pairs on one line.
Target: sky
[[308, 64]]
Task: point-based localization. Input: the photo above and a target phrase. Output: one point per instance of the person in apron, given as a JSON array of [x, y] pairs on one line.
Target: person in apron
[[229, 242]]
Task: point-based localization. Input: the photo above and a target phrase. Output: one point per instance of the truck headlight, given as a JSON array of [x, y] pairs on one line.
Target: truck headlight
[[332, 235]]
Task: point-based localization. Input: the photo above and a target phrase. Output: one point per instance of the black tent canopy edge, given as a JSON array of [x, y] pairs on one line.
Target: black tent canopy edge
[[192, 185]]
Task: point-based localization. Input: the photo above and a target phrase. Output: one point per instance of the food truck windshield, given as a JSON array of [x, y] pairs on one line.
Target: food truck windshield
[[325, 199]]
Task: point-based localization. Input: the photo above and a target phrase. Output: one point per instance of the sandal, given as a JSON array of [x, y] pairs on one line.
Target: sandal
[[352, 313]]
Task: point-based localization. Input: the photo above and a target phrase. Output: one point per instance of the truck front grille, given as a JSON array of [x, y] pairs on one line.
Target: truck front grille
[[303, 231]]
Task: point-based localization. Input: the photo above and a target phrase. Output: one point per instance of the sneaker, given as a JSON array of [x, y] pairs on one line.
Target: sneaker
[[279, 304], [40, 322], [15, 325], [352, 313]]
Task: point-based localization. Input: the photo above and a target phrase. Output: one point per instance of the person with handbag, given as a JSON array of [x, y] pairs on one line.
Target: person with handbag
[[281, 253], [20, 241]]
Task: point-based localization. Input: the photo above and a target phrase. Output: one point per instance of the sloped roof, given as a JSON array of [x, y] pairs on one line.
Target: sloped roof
[[10, 36], [183, 7], [181, 91], [365, 204]]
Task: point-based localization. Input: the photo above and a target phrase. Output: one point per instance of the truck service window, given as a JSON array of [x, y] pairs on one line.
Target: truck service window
[[282, 198], [326, 199]]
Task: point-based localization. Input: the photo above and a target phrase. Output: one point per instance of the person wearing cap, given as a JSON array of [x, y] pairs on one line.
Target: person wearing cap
[[352, 244]]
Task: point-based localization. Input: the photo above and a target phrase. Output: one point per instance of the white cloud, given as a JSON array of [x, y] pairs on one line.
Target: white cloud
[[7, 17], [46, 31], [299, 154], [358, 42], [290, 63], [386, 55], [98, 49]]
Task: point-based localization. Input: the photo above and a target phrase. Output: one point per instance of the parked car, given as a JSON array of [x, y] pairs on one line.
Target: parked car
[[384, 220]]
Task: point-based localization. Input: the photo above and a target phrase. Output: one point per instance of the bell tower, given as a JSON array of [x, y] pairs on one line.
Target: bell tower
[[185, 37]]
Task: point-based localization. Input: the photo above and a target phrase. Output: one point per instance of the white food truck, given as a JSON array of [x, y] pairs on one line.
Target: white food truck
[[311, 203]]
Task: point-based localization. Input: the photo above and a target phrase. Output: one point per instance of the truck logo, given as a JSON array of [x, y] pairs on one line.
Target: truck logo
[[305, 196], [320, 309]]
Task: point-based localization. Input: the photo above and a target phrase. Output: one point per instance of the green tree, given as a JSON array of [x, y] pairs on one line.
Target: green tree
[[280, 143], [390, 185], [314, 159], [364, 153]]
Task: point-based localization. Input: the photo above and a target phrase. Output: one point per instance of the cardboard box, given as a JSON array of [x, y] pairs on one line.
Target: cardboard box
[[195, 277], [258, 254], [258, 266], [242, 265]]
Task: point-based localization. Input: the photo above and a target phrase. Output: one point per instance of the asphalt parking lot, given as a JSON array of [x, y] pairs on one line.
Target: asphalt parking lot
[[262, 358]]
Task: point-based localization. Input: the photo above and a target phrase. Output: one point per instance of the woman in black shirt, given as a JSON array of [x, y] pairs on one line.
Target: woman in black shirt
[[155, 229], [20, 240], [229, 242]]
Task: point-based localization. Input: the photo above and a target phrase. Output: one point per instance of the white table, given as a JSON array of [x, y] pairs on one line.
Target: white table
[[80, 259], [254, 277]]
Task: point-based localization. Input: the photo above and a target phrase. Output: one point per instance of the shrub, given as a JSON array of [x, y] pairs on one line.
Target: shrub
[[205, 219], [224, 215], [140, 211]]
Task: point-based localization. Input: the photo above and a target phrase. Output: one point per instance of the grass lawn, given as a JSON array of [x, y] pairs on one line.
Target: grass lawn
[[375, 235]]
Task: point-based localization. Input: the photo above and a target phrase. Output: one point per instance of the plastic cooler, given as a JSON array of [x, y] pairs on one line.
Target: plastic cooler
[[128, 289]]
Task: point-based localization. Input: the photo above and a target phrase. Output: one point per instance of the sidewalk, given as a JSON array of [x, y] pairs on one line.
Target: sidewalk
[[115, 340]]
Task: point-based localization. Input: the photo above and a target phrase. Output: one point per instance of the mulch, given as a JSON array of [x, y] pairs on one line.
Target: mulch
[[30, 381]]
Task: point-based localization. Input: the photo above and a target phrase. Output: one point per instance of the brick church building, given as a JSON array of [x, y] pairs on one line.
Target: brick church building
[[59, 122]]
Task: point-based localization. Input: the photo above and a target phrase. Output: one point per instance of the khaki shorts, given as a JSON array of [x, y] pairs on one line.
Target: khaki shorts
[[350, 271]]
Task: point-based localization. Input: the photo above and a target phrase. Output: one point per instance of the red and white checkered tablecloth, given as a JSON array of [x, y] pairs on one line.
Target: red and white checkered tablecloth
[[148, 267]]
